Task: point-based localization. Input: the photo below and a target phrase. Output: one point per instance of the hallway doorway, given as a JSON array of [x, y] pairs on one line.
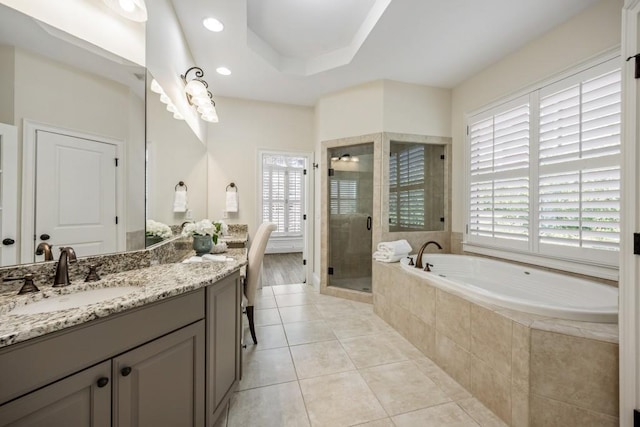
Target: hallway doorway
[[282, 269]]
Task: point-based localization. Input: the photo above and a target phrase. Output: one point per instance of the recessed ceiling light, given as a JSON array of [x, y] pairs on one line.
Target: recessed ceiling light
[[223, 70], [212, 24], [135, 10]]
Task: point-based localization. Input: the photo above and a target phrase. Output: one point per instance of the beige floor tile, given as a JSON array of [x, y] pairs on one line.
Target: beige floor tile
[[264, 291], [450, 386], [321, 358], [447, 415], [306, 332], [385, 422], [338, 309], [266, 367], [340, 400], [271, 336], [288, 300], [349, 327], [267, 301], [480, 413], [404, 345], [372, 350], [291, 289], [401, 387], [329, 299], [299, 313], [266, 316], [273, 406]]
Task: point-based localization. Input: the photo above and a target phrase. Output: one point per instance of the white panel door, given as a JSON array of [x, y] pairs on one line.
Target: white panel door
[[8, 194], [76, 185]]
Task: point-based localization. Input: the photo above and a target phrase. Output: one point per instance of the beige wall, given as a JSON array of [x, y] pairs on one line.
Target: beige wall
[[245, 128], [7, 73], [582, 37]]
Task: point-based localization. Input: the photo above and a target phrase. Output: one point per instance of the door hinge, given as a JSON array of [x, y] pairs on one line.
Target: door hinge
[[304, 171], [330, 270], [116, 162], [116, 220], [441, 219], [467, 130], [636, 243], [304, 262], [331, 172], [441, 156], [304, 217], [636, 418]]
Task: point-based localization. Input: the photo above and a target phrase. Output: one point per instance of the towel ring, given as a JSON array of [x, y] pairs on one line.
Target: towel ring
[[232, 185], [181, 184]]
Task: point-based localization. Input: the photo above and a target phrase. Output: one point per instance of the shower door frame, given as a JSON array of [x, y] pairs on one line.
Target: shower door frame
[[325, 162]]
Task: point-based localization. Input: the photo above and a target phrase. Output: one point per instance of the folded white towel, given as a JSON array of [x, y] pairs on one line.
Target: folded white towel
[[395, 247], [231, 204], [180, 201], [387, 257]]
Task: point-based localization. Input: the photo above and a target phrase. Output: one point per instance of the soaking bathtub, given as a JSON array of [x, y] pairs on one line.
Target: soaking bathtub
[[521, 288]]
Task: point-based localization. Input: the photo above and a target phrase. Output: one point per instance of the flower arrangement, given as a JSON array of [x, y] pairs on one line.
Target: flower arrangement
[[221, 229], [206, 227], [157, 229]]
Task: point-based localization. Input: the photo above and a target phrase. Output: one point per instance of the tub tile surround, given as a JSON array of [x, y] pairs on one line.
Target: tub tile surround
[[521, 366]]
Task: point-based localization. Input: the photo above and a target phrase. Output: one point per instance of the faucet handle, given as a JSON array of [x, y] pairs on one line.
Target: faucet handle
[[93, 273], [410, 260], [428, 266], [28, 286]]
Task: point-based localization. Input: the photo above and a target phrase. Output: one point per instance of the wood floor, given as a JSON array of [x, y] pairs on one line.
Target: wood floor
[[282, 269]]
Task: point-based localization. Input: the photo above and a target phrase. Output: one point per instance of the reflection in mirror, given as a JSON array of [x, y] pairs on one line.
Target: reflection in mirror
[[174, 155], [74, 109], [416, 187]]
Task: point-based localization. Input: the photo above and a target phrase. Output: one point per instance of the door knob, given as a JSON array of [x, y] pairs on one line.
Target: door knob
[[44, 236], [103, 382], [125, 371], [8, 242]]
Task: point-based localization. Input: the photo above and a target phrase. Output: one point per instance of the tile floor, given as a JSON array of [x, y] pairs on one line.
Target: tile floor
[[326, 361]]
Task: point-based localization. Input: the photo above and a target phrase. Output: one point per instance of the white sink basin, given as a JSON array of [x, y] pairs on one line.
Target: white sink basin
[[75, 300]]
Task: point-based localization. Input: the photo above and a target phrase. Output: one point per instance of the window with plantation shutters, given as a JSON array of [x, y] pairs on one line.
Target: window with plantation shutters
[[406, 188], [282, 193], [343, 194], [544, 170]]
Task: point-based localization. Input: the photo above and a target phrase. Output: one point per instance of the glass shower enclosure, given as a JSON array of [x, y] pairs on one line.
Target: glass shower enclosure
[[350, 216]]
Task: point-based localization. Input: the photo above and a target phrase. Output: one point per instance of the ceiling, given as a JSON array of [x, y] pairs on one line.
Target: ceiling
[[295, 51]]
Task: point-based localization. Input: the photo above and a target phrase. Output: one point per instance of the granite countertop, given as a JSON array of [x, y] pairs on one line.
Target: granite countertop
[[155, 283], [240, 238]]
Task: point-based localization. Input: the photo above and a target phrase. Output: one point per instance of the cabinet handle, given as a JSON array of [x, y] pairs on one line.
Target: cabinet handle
[[103, 382], [125, 371]]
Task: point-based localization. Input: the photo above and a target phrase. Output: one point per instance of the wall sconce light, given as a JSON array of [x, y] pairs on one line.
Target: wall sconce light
[[198, 95], [155, 87], [345, 158]]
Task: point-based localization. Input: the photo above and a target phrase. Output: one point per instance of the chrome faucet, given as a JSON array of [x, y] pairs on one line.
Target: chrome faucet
[[421, 251], [67, 255], [46, 249]]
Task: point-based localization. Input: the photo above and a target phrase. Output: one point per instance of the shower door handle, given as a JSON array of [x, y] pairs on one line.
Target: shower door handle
[[368, 223]]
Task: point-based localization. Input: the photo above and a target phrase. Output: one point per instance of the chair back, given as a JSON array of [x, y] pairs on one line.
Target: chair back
[[254, 262]]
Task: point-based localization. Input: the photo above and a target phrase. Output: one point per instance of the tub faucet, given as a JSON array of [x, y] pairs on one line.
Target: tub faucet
[[45, 248], [421, 251], [67, 255]]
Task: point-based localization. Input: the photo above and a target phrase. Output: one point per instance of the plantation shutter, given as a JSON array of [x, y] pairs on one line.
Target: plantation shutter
[[499, 175], [406, 187], [343, 195], [579, 165], [282, 193]]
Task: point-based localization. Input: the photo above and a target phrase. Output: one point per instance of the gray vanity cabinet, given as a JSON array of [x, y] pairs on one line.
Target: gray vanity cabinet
[[224, 327], [83, 399], [161, 383]]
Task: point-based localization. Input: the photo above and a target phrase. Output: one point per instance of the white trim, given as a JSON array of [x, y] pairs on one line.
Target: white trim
[[9, 193], [29, 129], [629, 264], [587, 269]]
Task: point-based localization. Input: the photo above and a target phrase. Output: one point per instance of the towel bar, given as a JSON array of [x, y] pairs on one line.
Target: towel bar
[[181, 184], [232, 185]]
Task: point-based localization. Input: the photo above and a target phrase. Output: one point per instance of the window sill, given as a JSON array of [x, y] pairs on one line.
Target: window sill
[[583, 268]]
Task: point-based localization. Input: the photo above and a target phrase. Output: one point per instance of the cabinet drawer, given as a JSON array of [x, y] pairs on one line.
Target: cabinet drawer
[[35, 363]]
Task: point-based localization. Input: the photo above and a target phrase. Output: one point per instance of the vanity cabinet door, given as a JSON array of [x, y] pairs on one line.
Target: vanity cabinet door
[[224, 325], [162, 382], [82, 400]]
